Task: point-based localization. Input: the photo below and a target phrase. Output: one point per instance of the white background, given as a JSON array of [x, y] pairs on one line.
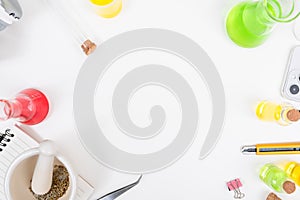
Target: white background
[[40, 52]]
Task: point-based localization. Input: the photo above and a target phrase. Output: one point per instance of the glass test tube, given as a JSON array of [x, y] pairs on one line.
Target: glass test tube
[[67, 12]]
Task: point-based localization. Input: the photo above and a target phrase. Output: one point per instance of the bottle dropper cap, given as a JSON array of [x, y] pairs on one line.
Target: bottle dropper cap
[[289, 187], [293, 115], [273, 196], [88, 47]]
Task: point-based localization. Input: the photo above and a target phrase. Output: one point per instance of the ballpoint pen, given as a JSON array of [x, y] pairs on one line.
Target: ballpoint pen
[[272, 149]]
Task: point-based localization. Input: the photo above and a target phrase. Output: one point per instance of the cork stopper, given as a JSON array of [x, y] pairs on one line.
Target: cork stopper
[[88, 47], [273, 196], [293, 115], [289, 187]]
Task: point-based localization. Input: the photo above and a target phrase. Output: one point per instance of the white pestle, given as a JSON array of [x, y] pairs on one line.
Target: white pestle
[[43, 172]]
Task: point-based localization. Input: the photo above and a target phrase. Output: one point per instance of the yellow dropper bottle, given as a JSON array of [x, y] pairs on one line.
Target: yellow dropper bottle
[[293, 171], [283, 114]]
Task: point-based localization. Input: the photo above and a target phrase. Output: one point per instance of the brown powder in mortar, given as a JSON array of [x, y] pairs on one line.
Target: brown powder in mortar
[[60, 184]]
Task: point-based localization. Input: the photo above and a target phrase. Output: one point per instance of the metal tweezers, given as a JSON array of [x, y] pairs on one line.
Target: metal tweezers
[[115, 194]]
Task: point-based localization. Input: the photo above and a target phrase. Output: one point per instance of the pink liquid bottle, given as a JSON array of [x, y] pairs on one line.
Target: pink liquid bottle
[[30, 106]]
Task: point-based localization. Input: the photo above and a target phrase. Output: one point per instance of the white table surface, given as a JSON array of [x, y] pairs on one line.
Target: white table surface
[[40, 52]]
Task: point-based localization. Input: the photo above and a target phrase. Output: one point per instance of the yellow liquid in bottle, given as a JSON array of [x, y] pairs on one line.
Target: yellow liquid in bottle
[[101, 2], [108, 8], [293, 171], [268, 111]]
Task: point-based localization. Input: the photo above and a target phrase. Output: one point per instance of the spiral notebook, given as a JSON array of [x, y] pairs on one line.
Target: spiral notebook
[[13, 142]]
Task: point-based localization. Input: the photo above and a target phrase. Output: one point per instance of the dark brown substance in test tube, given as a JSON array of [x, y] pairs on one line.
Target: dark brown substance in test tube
[[293, 115], [88, 47], [273, 196]]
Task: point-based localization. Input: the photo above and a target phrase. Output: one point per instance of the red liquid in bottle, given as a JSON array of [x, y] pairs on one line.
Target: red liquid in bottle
[[29, 107]]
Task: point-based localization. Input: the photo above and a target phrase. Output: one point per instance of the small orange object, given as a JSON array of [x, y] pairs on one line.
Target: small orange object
[[88, 47], [293, 115], [273, 196]]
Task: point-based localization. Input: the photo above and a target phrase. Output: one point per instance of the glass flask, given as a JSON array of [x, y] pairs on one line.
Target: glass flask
[[29, 106], [250, 23]]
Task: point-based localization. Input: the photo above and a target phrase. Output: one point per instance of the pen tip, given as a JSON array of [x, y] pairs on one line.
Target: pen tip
[[248, 149]]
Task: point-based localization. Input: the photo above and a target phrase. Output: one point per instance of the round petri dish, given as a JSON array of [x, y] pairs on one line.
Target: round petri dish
[[151, 45]]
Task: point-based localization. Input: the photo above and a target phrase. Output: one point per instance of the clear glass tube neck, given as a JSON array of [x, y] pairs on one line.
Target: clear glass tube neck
[[282, 11], [5, 110]]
